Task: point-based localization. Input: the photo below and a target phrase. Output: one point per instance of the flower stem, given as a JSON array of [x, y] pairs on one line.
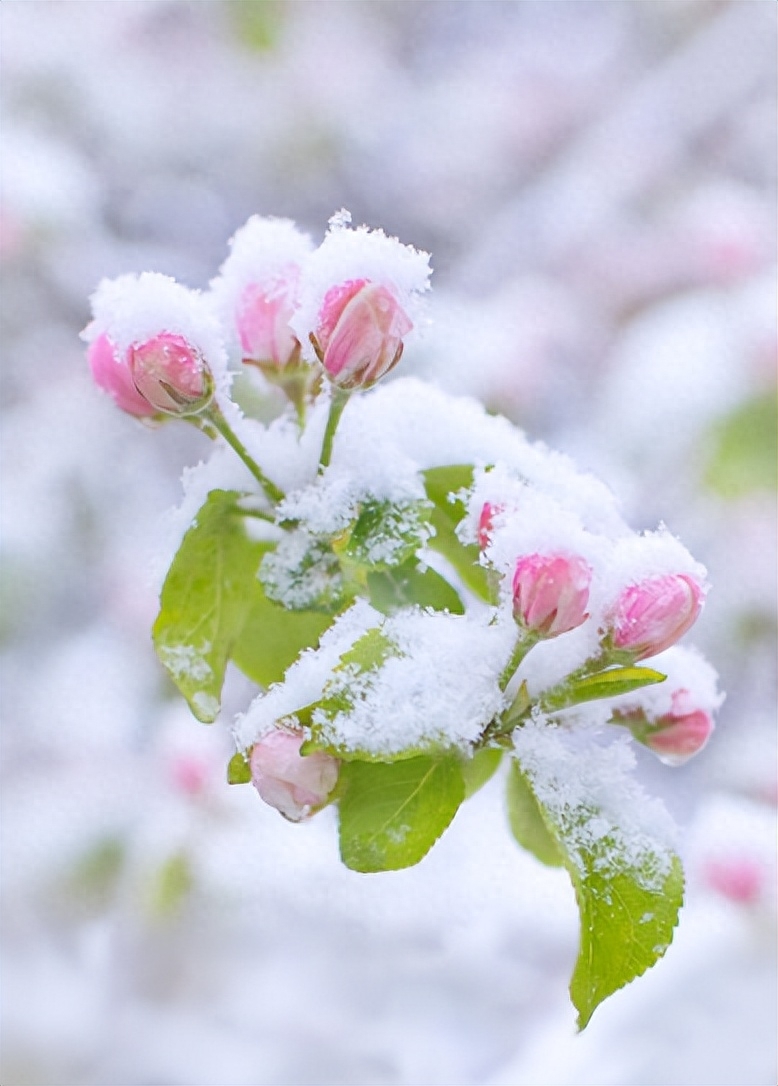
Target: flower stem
[[523, 645], [214, 416], [337, 404]]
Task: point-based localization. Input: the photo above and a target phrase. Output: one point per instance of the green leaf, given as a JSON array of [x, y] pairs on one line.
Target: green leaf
[[744, 449], [476, 771], [304, 574], [628, 885], [625, 929], [272, 638], [367, 653], [207, 595], [386, 534], [526, 821], [440, 484], [605, 684], [407, 585], [238, 769], [391, 814]]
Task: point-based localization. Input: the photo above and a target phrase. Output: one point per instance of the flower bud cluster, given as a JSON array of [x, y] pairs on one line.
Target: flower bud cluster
[[344, 310]]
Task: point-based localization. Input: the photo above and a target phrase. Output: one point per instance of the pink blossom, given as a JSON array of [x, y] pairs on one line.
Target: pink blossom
[[112, 373], [262, 318], [171, 374], [486, 523], [295, 785], [359, 334], [739, 878], [651, 616], [681, 733], [550, 593]]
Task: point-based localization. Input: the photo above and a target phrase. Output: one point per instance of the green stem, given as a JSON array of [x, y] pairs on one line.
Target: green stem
[[337, 404], [523, 646], [214, 416]]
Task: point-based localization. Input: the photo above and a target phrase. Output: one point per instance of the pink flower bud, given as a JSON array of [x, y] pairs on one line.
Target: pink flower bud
[[296, 786], [359, 336], [262, 318], [171, 374], [550, 593], [739, 878], [681, 733], [651, 616], [112, 374], [486, 523]]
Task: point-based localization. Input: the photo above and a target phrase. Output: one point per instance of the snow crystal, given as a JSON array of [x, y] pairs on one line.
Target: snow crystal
[[362, 253], [571, 774], [441, 690], [187, 662], [134, 308]]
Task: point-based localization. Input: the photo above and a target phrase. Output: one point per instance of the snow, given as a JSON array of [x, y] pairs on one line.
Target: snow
[[572, 775]]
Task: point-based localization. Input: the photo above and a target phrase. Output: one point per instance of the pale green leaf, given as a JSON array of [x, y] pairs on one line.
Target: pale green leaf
[[407, 585], [605, 684]]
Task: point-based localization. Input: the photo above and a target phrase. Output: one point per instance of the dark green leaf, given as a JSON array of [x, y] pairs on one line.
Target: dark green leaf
[[526, 821], [272, 638], [476, 771], [209, 590], [391, 814], [407, 585], [440, 484]]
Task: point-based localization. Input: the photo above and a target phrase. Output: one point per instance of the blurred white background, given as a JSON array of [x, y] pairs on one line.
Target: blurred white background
[[596, 182]]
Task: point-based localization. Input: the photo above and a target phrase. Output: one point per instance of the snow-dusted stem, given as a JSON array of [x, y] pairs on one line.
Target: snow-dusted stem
[[337, 404], [214, 416]]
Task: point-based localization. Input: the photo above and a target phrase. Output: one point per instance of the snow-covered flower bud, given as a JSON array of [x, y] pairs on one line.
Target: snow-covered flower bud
[[163, 340], [550, 593], [111, 373], [486, 523], [359, 334], [650, 616], [262, 319], [678, 735], [294, 784], [171, 374], [257, 292]]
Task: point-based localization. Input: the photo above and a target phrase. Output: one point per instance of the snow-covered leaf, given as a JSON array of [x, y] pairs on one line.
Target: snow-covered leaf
[[207, 595], [391, 814], [386, 534], [614, 843]]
